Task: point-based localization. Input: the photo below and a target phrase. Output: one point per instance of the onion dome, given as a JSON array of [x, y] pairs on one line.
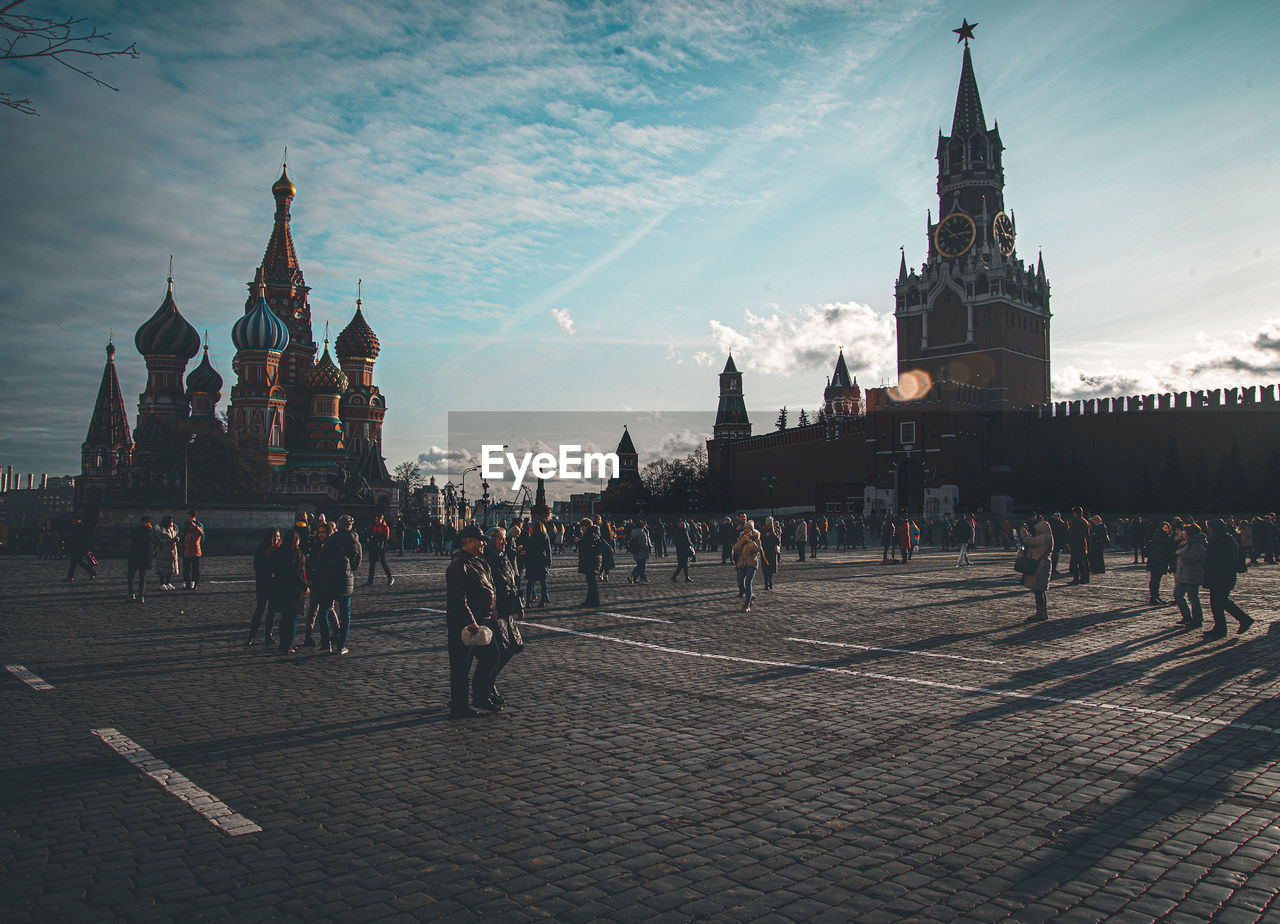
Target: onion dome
[[357, 339], [167, 333], [324, 378], [260, 329], [204, 378], [284, 186]]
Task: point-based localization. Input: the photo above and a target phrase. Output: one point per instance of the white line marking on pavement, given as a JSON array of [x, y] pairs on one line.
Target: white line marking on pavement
[[641, 618], [249, 581], [214, 811], [923, 654], [915, 681], [419, 609], [27, 677]]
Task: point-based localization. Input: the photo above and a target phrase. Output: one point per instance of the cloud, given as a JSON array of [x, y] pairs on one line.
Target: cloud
[[1236, 358], [564, 320], [785, 343], [680, 444], [438, 460]]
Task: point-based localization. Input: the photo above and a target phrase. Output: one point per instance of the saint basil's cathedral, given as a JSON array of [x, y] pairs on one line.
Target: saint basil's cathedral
[[316, 424]]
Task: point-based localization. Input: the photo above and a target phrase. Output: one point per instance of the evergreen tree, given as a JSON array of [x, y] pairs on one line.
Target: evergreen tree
[[781, 423], [803, 420]]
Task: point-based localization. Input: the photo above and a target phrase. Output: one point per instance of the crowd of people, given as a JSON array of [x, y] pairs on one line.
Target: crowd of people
[[308, 574]]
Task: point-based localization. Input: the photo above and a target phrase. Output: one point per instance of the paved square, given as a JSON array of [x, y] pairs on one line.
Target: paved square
[[871, 742]]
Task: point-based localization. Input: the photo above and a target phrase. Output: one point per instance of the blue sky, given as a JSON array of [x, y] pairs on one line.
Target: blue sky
[[582, 206]]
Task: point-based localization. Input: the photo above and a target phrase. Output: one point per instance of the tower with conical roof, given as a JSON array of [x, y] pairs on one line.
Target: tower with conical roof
[[107, 451], [625, 493], [363, 407], [280, 278], [204, 390], [731, 416], [974, 314], [842, 397], [258, 398], [167, 342]]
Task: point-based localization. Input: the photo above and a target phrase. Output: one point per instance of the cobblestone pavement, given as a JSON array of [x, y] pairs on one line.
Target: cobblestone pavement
[[872, 742]]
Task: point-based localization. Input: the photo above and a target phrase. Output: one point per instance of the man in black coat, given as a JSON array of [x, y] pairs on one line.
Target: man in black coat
[[469, 600], [684, 550], [1222, 561], [333, 581]]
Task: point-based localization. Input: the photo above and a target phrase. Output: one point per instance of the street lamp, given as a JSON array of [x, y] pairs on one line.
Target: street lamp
[[186, 468], [769, 480], [484, 499], [462, 501]]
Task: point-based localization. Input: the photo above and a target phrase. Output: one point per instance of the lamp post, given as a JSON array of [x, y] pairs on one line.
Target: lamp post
[[769, 480], [186, 468], [462, 502], [484, 499]]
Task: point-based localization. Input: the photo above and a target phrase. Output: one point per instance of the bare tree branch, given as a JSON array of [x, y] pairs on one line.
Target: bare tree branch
[[67, 40]]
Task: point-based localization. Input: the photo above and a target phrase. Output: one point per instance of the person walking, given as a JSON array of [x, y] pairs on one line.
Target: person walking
[[1223, 560], [888, 540], [288, 589], [1189, 575], [192, 551], [641, 547], [802, 537], [1161, 553], [507, 641], [684, 550], [262, 587], [470, 599], [142, 549], [379, 535], [746, 558], [1037, 546], [79, 551], [964, 535], [591, 549], [770, 552], [537, 563], [167, 553], [333, 583]]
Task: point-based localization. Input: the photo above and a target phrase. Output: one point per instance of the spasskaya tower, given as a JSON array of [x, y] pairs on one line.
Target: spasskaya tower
[[975, 313]]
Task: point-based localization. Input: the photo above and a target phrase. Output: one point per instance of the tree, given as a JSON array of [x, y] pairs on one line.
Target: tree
[[803, 420], [67, 40], [408, 476], [781, 423]]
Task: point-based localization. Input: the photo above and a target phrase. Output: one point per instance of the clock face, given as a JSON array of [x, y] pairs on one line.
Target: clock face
[[1002, 233], [954, 234]]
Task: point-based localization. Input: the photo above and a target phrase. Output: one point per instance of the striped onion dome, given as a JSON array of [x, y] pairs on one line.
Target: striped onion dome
[[260, 329], [167, 333], [324, 378], [204, 378], [357, 339]]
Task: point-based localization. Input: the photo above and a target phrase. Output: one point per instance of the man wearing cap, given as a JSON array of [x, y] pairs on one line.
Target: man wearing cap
[[469, 600]]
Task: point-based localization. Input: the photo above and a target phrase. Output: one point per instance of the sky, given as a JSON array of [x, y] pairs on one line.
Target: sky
[[582, 206]]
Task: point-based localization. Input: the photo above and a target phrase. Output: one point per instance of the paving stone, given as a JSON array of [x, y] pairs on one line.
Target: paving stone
[[953, 764]]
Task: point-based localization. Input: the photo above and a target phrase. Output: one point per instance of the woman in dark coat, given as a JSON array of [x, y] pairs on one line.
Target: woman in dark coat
[[1099, 539], [142, 546], [770, 551], [262, 585], [288, 589], [537, 563], [1161, 554]]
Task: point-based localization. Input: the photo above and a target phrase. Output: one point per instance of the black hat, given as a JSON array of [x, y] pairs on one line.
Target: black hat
[[471, 531]]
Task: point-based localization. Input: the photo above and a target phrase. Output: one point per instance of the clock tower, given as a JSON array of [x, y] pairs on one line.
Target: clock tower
[[975, 313]]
